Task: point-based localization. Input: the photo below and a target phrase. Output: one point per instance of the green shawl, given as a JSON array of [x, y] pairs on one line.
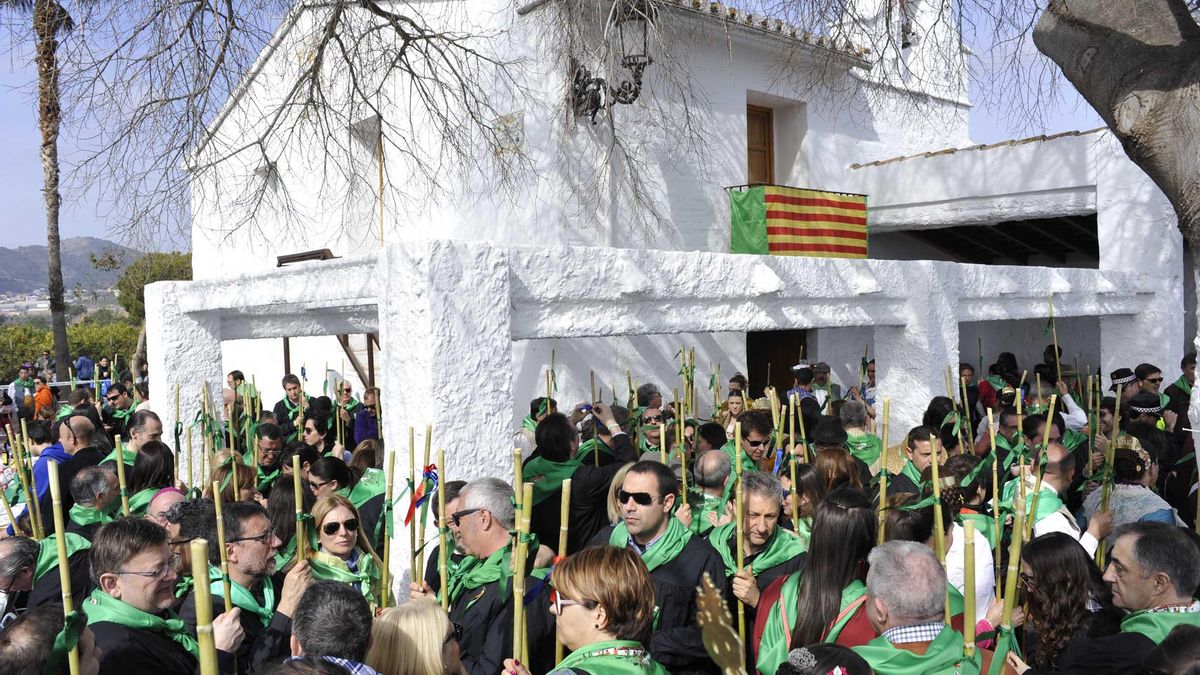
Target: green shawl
[[101, 606], [984, 524], [589, 447], [128, 454], [866, 447], [243, 598], [547, 477], [705, 504], [529, 424], [748, 463], [612, 657], [471, 573], [1048, 500], [285, 554], [140, 501], [372, 484], [332, 568], [1156, 625], [910, 470], [945, 655], [777, 633], [48, 552], [85, 515], [666, 549], [782, 547], [1184, 385], [266, 480]]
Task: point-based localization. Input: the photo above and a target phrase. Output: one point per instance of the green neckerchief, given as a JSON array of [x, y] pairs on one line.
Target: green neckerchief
[[984, 524], [910, 470], [1048, 500], [101, 606], [707, 504], [246, 390], [1184, 385], [140, 501], [748, 463], [128, 454], [372, 484], [266, 480], [184, 586], [644, 445], [944, 655], [19, 386], [777, 633], [612, 657], [330, 567], [958, 605], [666, 549], [242, 597], [804, 530], [85, 515], [547, 477], [866, 447], [285, 554], [48, 552], [529, 424], [998, 383], [122, 414], [1164, 401], [1006, 642], [350, 407], [1156, 624], [64, 411], [782, 547], [471, 572], [589, 447], [1073, 439]]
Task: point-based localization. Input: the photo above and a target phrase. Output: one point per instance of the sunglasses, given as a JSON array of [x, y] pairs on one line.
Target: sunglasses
[[456, 633], [114, 399], [1026, 580], [1154, 380], [457, 516], [558, 602], [652, 419], [331, 529], [757, 444], [639, 498]]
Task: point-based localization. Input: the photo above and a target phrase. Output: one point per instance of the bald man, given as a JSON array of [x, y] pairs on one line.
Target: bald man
[[76, 433]]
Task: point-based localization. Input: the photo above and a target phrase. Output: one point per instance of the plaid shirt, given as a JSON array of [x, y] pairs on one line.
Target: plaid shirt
[[352, 667], [918, 632]]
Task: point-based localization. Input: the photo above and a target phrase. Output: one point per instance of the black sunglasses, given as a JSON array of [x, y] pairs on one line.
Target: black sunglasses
[[456, 633], [640, 498], [757, 444], [114, 399], [457, 516], [652, 419], [331, 529]]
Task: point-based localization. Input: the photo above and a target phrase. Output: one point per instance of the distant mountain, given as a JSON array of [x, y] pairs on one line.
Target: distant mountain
[[23, 269]]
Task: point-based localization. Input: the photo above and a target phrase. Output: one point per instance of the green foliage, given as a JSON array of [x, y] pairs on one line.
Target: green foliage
[[146, 270], [24, 342]]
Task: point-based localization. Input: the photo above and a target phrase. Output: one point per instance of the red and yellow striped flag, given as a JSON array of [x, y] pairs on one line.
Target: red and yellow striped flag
[[776, 220]]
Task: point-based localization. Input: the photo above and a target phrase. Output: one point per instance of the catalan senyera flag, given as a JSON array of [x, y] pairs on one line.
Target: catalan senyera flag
[[777, 220]]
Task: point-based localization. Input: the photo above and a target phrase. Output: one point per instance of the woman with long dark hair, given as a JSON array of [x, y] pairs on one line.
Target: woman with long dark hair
[[1069, 605], [825, 601], [808, 491], [153, 470]]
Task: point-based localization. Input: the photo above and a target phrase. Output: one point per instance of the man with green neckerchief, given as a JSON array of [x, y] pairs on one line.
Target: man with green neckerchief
[[906, 590], [708, 505], [918, 455], [96, 497], [1052, 514], [538, 409], [289, 411], [129, 612], [757, 432], [677, 561], [267, 599]]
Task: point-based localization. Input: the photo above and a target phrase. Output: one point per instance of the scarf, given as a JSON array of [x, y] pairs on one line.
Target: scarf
[[804, 529], [666, 549], [285, 554], [547, 476], [85, 515], [910, 470], [777, 633], [184, 586], [998, 383], [944, 655], [1156, 623], [242, 597], [1048, 500], [611, 657], [329, 567], [101, 606], [782, 547], [128, 454], [984, 524], [47, 558], [1184, 385], [372, 484], [351, 407], [866, 447], [529, 424], [140, 501], [266, 480], [589, 448], [1072, 440], [707, 504], [122, 415], [748, 463], [471, 573]]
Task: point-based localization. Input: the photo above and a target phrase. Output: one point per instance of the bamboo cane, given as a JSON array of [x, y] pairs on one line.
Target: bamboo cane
[[996, 530], [1014, 563], [792, 460], [520, 552], [1041, 472], [1109, 454], [24, 479], [1054, 334], [966, 427], [421, 515], [741, 551], [204, 617], [968, 589], [64, 574], [518, 481], [881, 534], [189, 454], [803, 433], [36, 504], [121, 478], [662, 442], [217, 502], [564, 518], [301, 540], [939, 532], [412, 485], [9, 512], [385, 575], [443, 574]]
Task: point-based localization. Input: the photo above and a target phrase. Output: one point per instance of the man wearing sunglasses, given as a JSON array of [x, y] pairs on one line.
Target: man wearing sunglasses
[[677, 561], [757, 428], [267, 600], [118, 411], [135, 572], [649, 429]]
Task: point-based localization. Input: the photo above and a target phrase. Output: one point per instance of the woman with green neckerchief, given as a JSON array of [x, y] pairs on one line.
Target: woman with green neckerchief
[[236, 481], [343, 552], [330, 475], [825, 600], [153, 470], [604, 604]]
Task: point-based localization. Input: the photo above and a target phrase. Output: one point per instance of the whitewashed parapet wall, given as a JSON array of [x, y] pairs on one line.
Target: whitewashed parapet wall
[[448, 313]]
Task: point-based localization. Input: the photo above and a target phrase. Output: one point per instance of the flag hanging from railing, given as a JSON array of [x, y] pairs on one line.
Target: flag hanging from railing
[[778, 220]]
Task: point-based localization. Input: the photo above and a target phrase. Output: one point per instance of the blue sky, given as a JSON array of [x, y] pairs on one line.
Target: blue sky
[[22, 219]]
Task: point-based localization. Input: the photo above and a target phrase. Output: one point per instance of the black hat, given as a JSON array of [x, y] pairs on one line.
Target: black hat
[[1145, 402], [829, 431], [1123, 376]]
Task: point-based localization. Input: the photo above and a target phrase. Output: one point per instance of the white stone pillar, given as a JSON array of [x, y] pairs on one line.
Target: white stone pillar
[[445, 328], [184, 350]]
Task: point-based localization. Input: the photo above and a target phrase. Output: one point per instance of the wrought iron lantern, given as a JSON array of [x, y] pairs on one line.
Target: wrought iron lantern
[[634, 22]]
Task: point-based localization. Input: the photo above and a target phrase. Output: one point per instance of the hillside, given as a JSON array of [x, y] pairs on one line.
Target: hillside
[[23, 269]]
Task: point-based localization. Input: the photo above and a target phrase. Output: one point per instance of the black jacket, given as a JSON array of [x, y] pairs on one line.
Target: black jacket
[[263, 644], [81, 460], [676, 643], [128, 651], [486, 616], [371, 513], [48, 587], [433, 575], [589, 501], [1087, 655], [286, 423]]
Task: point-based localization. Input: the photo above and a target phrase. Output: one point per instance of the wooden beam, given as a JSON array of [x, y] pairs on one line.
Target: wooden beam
[[344, 340], [370, 363], [287, 356]]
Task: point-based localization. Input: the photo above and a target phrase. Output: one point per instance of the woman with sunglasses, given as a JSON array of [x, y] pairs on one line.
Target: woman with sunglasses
[[343, 553], [330, 475], [603, 601], [415, 638], [1068, 605]]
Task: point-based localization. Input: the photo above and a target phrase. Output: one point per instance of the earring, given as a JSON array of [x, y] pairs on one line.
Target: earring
[[597, 626]]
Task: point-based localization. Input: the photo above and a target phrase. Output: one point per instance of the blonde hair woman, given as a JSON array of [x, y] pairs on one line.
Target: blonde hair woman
[[415, 638], [614, 509], [343, 551], [237, 482]]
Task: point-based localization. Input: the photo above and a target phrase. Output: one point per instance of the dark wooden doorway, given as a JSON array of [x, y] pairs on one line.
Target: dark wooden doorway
[[760, 145], [777, 350]]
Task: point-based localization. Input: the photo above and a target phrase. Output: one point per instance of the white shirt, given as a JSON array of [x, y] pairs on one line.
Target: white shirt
[[1073, 416], [985, 569]]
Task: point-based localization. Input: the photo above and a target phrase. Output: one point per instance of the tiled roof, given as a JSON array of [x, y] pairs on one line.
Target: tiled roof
[[767, 24], [985, 146]]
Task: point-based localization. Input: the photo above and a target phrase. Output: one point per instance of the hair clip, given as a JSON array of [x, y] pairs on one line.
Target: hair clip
[[802, 659]]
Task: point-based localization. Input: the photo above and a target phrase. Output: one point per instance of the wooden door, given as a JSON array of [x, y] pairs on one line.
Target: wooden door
[[775, 351], [760, 145]]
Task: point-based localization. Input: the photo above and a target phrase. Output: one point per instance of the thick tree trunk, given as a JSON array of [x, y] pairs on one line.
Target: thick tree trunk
[[139, 354], [48, 19]]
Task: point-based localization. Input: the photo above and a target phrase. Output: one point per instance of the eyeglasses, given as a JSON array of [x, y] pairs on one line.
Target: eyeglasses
[[162, 571], [456, 633], [175, 543], [316, 487], [114, 399], [652, 419], [265, 537], [558, 602], [639, 498], [757, 444], [331, 529], [1154, 380], [1026, 580], [457, 516]]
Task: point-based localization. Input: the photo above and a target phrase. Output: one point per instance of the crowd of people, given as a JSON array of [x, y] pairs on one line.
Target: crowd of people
[[833, 552]]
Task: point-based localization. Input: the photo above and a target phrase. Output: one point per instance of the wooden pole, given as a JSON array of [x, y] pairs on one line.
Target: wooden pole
[[519, 555], [1014, 563], [968, 589], [204, 617], [385, 575], [189, 454], [564, 519], [412, 486], [64, 573], [741, 547], [217, 502], [443, 575], [881, 533], [421, 515], [301, 540]]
